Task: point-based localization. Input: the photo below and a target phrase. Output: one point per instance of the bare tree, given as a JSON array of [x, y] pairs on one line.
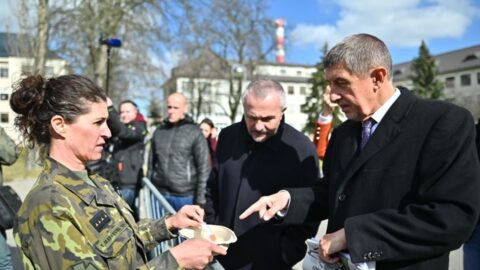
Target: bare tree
[[41, 48], [238, 33], [243, 35], [74, 29]]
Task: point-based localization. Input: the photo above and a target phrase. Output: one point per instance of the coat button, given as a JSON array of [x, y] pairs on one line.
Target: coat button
[[342, 197]]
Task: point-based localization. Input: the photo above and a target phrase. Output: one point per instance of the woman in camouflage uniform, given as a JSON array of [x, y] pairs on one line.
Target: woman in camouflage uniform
[[72, 219]]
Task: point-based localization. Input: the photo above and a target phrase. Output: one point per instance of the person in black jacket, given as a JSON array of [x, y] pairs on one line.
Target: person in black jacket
[[179, 157], [126, 149], [259, 156], [471, 249]]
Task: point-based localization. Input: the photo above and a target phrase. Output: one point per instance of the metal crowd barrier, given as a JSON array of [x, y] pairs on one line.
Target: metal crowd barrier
[[152, 204]]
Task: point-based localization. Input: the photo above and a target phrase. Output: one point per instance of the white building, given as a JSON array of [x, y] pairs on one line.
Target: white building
[[460, 73], [214, 87], [12, 68]]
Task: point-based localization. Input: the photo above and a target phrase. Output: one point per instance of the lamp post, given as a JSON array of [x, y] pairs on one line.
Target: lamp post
[[110, 43], [239, 71]]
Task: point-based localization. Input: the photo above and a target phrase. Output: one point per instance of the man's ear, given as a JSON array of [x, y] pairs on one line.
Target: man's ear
[[379, 77], [58, 125]]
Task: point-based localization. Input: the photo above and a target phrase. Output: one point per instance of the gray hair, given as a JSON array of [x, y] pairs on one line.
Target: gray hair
[[359, 53], [260, 88]]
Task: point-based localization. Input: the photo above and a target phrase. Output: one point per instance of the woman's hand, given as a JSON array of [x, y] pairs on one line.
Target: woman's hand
[[196, 253], [188, 216]]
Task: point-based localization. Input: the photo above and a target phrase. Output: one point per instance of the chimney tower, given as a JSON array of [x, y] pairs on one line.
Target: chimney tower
[[280, 40]]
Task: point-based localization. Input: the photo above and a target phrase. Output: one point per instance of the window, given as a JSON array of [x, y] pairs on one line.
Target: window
[[3, 117], [187, 86], [3, 96], [3, 72], [450, 82], [205, 88], [291, 90], [299, 73], [470, 57], [49, 71], [465, 80], [27, 69], [478, 78], [206, 109], [283, 71], [303, 90]]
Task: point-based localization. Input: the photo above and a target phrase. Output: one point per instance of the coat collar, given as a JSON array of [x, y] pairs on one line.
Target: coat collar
[[387, 130], [186, 120]]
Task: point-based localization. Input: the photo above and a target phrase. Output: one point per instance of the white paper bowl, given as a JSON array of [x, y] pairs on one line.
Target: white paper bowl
[[224, 236]]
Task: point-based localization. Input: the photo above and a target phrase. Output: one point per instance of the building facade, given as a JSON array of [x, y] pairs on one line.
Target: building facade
[[459, 71], [12, 68]]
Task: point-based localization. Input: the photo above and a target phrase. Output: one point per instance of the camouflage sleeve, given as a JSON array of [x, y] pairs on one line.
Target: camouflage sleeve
[[163, 261], [153, 232], [8, 151]]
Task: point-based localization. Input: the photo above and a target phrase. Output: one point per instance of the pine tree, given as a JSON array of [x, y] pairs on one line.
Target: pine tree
[[154, 109], [424, 78], [313, 102]]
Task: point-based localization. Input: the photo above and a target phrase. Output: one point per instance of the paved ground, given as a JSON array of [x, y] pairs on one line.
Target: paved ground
[[22, 188]]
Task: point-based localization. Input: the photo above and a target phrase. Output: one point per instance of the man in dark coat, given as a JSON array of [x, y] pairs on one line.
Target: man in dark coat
[[408, 196], [471, 249], [259, 156], [126, 149]]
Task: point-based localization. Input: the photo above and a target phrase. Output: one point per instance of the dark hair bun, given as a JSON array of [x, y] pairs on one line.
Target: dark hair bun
[[28, 95]]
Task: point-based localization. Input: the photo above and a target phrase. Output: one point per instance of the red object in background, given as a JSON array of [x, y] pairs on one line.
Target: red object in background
[[120, 166]]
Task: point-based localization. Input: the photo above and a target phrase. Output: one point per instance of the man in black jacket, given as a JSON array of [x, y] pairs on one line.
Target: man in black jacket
[[126, 149], [471, 249], [179, 157], [402, 175], [259, 156]]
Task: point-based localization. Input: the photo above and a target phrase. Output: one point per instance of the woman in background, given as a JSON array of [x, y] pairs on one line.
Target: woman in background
[[209, 131]]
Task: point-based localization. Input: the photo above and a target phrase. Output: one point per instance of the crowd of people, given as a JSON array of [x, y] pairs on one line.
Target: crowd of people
[[399, 182]]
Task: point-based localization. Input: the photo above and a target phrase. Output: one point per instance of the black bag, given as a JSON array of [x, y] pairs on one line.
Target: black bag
[[10, 203]]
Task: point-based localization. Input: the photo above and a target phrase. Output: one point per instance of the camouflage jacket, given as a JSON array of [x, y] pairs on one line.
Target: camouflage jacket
[[8, 153], [66, 223]]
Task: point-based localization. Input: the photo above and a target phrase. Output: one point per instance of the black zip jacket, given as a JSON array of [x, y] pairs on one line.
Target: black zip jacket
[[179, 160]]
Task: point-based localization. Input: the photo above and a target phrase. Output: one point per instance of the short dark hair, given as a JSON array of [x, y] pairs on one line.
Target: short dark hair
[[208, 122], [359, 53], [128, 101]]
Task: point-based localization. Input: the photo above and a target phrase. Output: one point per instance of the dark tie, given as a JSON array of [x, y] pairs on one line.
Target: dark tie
[[366, 131]]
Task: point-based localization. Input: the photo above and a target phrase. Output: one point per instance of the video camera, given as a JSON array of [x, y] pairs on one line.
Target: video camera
[[111, 42]]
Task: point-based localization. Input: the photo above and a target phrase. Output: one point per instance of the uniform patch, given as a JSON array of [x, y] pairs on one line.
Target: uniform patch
[[84, 265], [100, 220], [109, 238]]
